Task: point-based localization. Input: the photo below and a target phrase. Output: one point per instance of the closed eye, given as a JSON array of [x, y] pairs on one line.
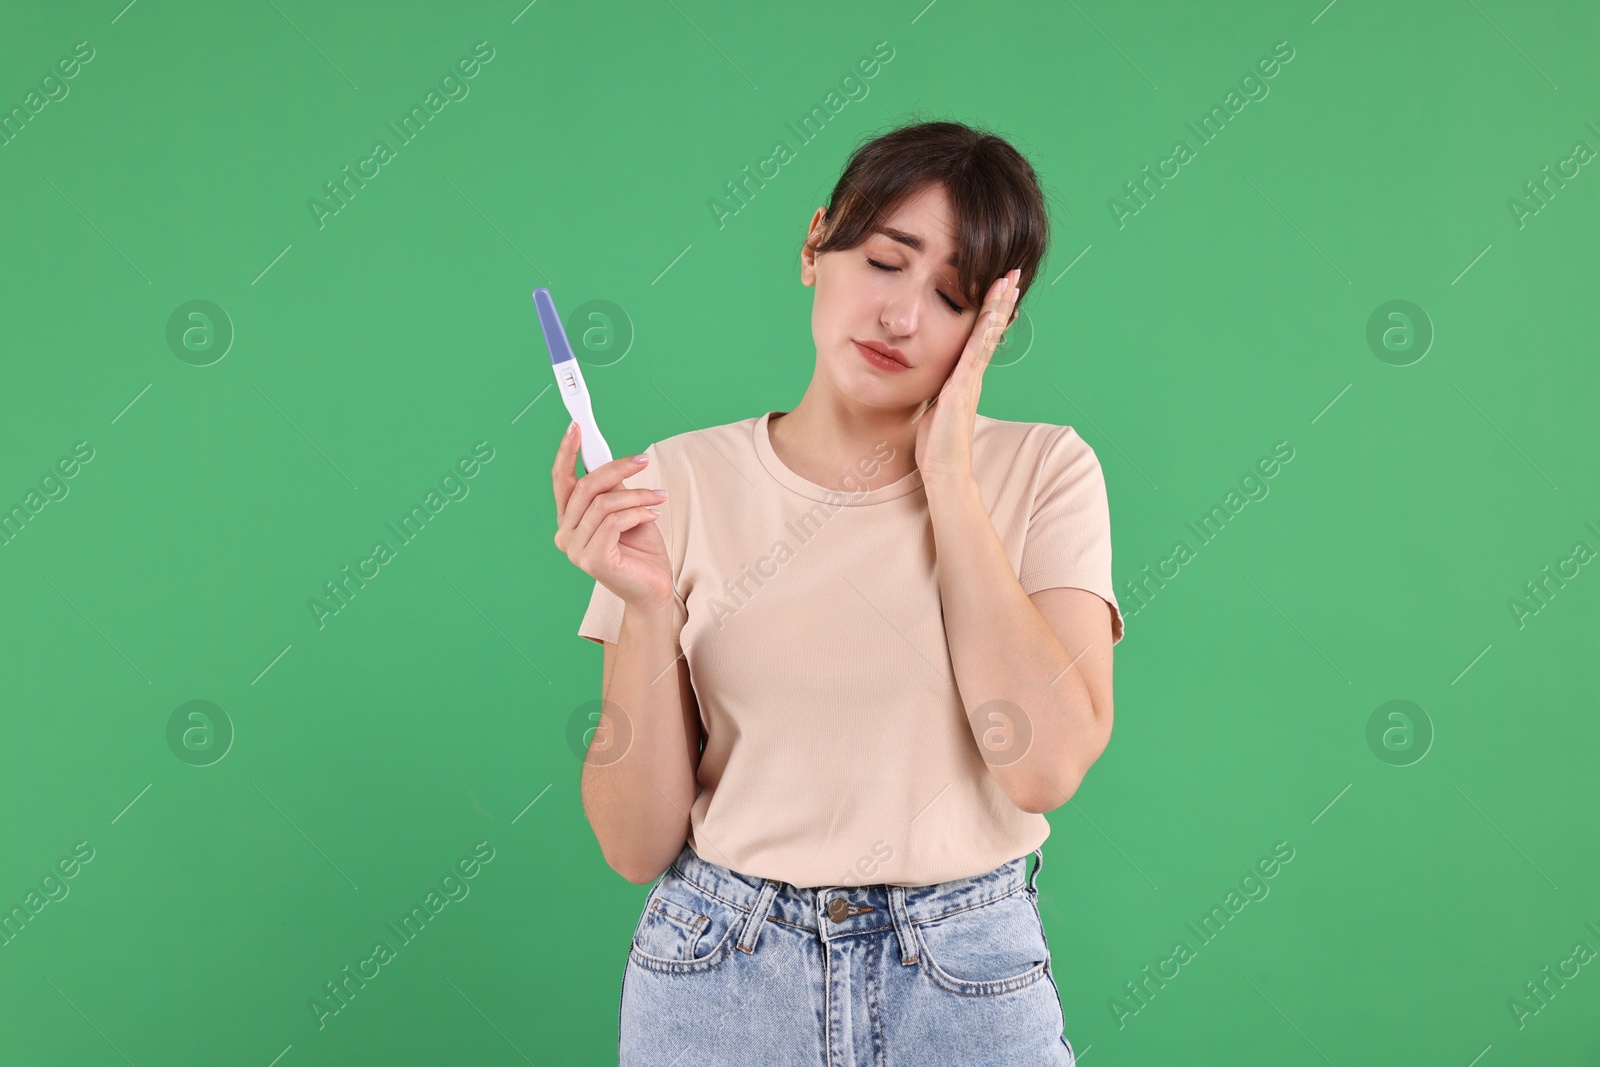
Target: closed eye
[[957, 308]]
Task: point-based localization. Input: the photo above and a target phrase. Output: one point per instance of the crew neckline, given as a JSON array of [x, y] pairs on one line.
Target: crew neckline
[[811, 490]]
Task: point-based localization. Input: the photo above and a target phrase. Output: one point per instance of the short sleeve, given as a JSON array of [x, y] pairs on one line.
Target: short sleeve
[[602, 621], [1068, 542]]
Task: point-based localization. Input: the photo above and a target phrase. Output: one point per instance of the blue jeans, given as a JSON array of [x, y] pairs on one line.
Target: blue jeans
[[726, 968]]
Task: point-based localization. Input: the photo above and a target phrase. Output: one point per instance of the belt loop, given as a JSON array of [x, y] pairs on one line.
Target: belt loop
[[903, 929], [1038, 862], [758, 915]]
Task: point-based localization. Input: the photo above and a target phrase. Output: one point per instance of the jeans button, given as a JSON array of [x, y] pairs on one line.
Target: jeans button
[[838, 910]]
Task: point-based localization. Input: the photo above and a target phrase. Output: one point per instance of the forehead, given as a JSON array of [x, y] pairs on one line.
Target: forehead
[[923, 223]]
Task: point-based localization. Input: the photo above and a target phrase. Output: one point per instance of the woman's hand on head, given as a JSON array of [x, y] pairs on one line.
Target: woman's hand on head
[[608, 531], [943, 446]]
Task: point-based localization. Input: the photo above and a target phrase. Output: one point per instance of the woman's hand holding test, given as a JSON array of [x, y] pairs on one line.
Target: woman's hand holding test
[[605, 529]]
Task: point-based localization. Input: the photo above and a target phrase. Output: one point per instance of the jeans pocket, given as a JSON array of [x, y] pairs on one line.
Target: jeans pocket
[[684, 929], [989, 949]]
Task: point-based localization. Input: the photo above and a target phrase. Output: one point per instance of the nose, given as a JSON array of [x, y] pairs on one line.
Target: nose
[[900, 310]]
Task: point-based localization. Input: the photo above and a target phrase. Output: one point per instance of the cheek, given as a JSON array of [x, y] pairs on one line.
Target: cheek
[[940, 369], [955, 341]]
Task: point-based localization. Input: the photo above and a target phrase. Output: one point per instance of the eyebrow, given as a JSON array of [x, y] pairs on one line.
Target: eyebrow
[[910, 240]]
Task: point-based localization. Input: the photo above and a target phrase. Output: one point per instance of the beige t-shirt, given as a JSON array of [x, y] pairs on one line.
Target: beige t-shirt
[[838, 750]]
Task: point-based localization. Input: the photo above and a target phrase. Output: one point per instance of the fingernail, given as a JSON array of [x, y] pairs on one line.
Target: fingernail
[[573, 425], [641, 458]]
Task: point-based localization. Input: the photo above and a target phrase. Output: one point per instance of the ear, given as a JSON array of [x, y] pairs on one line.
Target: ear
[[808, 255]]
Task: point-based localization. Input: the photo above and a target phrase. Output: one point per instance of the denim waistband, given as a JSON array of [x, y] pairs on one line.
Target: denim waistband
[[838, 911]]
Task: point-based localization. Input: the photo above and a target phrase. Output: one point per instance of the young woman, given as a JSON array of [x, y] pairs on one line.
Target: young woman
[[853, 652]]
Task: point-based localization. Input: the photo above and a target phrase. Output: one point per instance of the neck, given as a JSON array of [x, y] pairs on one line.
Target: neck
[[828, 442]]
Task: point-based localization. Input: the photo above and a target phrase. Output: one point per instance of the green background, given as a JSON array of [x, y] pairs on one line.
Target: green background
[[370, 754]]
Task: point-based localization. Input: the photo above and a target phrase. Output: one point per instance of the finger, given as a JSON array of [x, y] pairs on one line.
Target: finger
[[997, 291], [972, 356], [607, 504], [994, 329], [1008, 310], [998, 307], [607, 519], [1006, 301], [563, 476], [987, 334], [579, 492], [589, 494], [1013, 280]]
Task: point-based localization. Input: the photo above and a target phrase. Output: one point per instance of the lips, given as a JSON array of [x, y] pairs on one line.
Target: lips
[[885, 351]]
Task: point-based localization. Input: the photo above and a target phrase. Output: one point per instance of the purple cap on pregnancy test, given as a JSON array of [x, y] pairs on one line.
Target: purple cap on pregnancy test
[[555, 335]]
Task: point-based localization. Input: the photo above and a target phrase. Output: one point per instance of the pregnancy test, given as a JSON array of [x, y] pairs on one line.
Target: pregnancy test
[[569, 376]]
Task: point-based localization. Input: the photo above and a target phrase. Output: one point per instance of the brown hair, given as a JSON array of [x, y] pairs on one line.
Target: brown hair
[[999, 209]]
